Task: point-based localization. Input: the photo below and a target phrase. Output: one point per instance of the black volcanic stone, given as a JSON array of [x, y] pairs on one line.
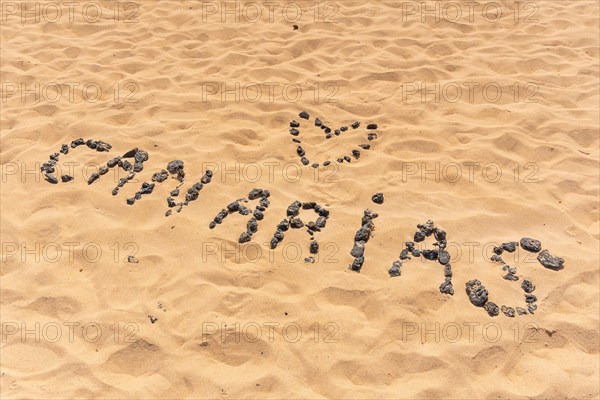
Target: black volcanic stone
[[130, 153], [64, 148], [358, 249], [439, 234], [259, 215], [550, 262], [318, 122], [314, 247], [252, 225], [365, 146], [304, 161], [527, 286], [521, 311], [430, 254], [113, 162], [492, 309], [304, 115], [77, 142], [294, 132], [160, 176], [355, 124], [371, 136], [419, 236], [443, 257], [357, 264], [377, 198], [530, 298], [363, 234], [66, 178], [278, 235], [372, 126], [296, 223], [294, 209], [245, 237], [510, 246], [478, 294], [283, 225], [51, 178], [447, 271], [175, 166], [404, 254], [531, 245], [294, 124], [508, 311], [300, 151], [395, 269], [531, 307], [446, 286], [347, 159], [93, 178]]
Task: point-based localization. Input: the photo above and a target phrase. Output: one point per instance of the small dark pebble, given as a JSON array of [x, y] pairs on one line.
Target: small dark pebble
[[51, 178], [372, 126], [245, 237], [530, 298], [395, 269], [93, 178], [508, 311], [510, 246], [521, 311], [527, 286], [443, 257], [531, 307], [446, 287], [377, 198], [477, 293], [550, 262], [430, 254], [357, 264], [492, 309], [304, 115], [531, 245]]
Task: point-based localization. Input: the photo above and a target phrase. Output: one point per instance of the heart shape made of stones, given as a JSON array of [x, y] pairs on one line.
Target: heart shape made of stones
[[329, 134]]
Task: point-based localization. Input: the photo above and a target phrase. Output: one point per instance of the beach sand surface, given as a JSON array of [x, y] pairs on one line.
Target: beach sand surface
[[239, 321]]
